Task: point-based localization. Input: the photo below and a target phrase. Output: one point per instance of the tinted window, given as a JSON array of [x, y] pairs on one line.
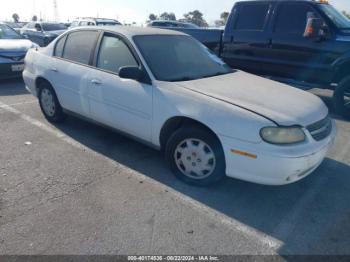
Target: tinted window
[[79, 46], [114, 54], [252, 17], [53, 27], [59, 47], [292, 18], [179, 58]]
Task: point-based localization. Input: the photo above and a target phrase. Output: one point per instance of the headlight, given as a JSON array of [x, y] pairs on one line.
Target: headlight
[[282, 135]]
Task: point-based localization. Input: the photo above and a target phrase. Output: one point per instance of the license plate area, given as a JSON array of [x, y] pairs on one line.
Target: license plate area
[[17, 68]]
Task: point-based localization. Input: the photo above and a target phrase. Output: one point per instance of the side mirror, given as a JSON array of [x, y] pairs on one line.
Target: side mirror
[[130, 72], [314, 28]]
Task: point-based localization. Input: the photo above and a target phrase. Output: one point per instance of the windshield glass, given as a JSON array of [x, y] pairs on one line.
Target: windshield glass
[[53, 27], [7, 32], [179, 58], [340, 20]]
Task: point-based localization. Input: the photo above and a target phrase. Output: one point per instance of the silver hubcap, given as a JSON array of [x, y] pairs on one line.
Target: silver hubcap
[[48, 102], [195, 159]]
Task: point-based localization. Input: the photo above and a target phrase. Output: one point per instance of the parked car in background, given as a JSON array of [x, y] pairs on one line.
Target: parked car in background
[[13, 48], [91, 21], [16, 25], [303, 43], [209, 119], [42, 33], [176, 24]]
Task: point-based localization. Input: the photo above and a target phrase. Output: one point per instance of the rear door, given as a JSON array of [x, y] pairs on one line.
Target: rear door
[[123, 104], [246, 37], [69, 69], [291, 54]]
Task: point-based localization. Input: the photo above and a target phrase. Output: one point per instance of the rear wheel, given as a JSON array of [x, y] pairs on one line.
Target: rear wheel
[[341, 98], [49, 104], [196, 156]]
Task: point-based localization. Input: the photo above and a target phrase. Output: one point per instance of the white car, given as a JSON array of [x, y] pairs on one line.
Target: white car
[[169, 91]]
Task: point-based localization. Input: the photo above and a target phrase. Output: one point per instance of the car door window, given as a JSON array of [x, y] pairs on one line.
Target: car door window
[[295, 23], [80, 46], [114, 54], [59, 47], [252, 17]]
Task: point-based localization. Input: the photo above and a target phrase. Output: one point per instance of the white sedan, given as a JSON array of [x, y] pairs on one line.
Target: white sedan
[[169, 91]]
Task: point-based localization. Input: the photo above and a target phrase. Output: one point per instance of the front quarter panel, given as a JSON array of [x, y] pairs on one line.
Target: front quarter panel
[[224, 119]]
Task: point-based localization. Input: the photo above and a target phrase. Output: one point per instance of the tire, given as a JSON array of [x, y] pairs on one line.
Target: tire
[[193, 148], [340, 99], [47, 96]]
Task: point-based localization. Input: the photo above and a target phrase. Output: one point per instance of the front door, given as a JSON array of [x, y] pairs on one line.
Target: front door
[[123, 104], [293, 55]]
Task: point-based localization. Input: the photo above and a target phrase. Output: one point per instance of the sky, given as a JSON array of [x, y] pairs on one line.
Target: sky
[[126, 11]]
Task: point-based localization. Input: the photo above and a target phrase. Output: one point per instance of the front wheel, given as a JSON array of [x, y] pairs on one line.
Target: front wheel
[[341, 98], [196, 156]]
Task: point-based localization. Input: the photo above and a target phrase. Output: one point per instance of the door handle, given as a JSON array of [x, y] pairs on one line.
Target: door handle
[[54, 69], [96, 82]]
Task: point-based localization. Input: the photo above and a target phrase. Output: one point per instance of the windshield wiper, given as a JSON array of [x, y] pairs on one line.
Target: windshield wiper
[[185, 78]]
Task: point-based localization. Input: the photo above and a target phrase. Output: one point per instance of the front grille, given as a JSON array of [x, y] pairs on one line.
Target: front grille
[[321, 129], [14, 58]]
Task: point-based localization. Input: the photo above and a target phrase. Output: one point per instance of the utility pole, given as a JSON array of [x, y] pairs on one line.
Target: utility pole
[[55, 10]]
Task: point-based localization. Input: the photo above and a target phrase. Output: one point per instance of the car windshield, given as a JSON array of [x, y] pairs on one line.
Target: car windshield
[[53, 27], [7, 32], [179, 58], [340, 20]]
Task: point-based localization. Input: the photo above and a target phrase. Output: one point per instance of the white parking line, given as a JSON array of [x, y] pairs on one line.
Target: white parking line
[[21, 103], [248, 231]]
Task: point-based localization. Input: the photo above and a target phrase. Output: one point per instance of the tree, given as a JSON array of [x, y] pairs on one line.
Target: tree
[[34, 18], [196, 17], [346, 14], [152, 17], [168, 16], [15, 17], [224, 16]]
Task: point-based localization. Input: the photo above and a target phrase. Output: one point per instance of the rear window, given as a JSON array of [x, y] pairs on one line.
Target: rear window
[[53, 27], [252, 16], [79, 46], [59, 47]]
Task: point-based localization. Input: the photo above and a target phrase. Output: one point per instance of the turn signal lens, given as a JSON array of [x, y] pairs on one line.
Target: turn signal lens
[[283, 135]]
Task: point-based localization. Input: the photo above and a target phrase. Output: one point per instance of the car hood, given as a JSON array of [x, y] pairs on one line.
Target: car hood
[[278, 102], [15, 45]]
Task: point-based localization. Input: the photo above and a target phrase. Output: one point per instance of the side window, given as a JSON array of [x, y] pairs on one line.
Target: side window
[[83, 23], [30, 26], [114, 54], [79, 46], [59, 47], [295, 23], [252, 17]]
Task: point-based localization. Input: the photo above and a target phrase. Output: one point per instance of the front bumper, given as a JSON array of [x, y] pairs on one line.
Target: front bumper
[[6, 70], [282, 166]]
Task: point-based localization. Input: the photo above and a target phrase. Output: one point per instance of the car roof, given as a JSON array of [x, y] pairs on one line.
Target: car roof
[[130, 31]]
